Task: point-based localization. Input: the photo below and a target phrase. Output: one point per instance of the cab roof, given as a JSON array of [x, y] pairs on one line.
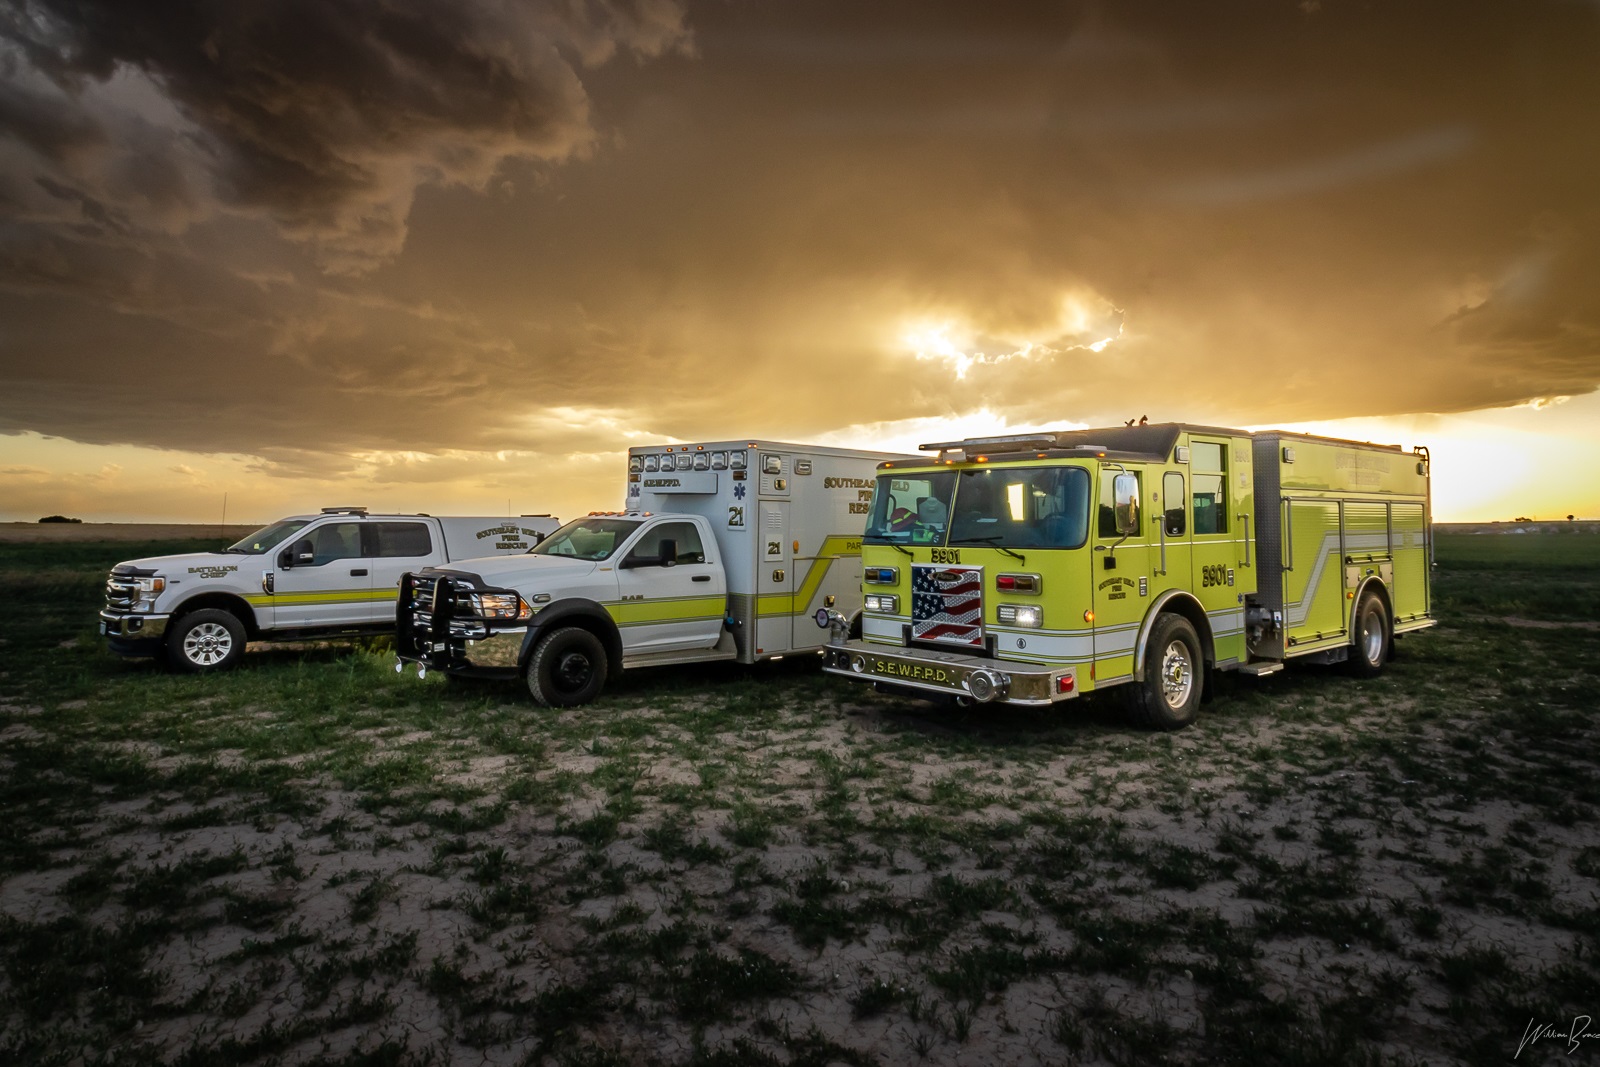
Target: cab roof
[[1151, 442]]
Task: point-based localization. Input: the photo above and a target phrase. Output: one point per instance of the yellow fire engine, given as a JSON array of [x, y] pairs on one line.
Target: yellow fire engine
[[1030, 569]]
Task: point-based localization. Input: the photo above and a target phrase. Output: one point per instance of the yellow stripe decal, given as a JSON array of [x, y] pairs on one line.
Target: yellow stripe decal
[[332, 596], [836, 546], [685, 609]]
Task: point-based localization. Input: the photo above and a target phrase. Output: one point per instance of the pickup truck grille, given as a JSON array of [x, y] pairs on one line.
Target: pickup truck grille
[[121, 593]]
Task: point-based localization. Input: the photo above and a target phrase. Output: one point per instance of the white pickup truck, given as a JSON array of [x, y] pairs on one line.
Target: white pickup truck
[[334, 573], [725, 552]]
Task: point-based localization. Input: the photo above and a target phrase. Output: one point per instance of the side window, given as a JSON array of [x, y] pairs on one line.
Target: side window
[[690, 549], [391, 539], [336, 541], [1175, 510], [1208, 466], [1107, 511]]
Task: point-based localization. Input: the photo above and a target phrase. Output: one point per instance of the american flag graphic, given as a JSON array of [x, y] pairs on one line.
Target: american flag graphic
[[947, 604]]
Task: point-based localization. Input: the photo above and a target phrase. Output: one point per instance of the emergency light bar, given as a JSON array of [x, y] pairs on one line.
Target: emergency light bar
[[1031, 442], [1017, 443]]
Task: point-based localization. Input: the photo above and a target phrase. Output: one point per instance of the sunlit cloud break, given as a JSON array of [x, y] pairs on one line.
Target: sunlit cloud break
[[939, 342]]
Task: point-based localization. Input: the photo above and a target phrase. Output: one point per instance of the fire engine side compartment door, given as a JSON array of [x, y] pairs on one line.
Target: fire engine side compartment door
[[829, 579]]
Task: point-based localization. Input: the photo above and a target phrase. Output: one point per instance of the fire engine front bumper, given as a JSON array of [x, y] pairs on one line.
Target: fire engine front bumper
[[979, 678], [133, 634]]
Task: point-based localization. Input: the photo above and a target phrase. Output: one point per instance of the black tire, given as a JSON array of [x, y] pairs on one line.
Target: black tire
[[1373, 638], [206, 640], [1174, 672], [567, 668]]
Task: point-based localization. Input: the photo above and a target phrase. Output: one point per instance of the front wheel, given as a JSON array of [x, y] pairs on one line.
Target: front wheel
[[206, 640], [567, 668], [1372, 637], [1169, 695]]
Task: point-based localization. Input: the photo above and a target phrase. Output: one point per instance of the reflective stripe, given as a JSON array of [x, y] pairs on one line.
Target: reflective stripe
[[683, 609], [332, 596]]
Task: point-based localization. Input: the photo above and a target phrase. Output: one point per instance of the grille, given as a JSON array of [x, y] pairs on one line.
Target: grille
[[947, 604], [121, 593]]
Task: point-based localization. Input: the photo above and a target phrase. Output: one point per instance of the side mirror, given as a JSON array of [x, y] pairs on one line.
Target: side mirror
[[669, 552], [1126, 491], [301, 554]]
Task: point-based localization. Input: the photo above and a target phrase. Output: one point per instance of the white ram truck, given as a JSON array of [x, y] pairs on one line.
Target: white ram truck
[[306, 576], [725, 552]]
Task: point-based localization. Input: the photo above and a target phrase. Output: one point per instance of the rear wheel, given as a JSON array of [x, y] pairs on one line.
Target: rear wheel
[[1372, 637], [206, 640], [1169, 695], [567, 668]]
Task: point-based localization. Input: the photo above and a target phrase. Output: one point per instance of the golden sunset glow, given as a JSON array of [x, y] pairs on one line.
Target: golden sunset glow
[[469, 277]]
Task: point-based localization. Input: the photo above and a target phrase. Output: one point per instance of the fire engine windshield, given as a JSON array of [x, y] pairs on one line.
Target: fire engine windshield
[[1021, 507], [910, 508], [267, 538], [591, 538]]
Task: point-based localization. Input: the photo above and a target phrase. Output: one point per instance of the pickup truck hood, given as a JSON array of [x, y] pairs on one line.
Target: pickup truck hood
[[525, 571], [200, 564]]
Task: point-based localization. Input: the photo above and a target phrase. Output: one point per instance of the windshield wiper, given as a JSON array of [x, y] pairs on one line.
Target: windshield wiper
[[988, 541]]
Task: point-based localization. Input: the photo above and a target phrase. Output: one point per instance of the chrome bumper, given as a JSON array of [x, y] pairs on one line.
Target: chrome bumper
[[952, 673], [133, 627]]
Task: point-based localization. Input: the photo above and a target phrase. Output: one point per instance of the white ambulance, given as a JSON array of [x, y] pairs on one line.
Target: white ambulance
[[333, 573], [725, 551]]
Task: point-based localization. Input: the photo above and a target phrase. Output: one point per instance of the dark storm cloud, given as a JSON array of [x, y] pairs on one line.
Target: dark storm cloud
[[327, 114], [309, 229]]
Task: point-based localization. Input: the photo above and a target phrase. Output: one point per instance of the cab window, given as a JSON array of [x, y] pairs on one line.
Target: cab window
[[1174, 509], [335, 541], [687, 536], [398, 539], [1208, 468]]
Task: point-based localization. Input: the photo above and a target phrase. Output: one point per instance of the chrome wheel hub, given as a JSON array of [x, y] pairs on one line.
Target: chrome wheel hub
[[1177, 675], [207, 644], [1371, 636]]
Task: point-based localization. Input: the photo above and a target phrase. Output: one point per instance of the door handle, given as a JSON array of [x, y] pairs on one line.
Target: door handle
[[702, 578], [358, 572]]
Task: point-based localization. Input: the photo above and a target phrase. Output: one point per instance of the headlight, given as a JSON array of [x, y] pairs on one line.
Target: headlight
[[888, 605], [882, 575], [1030, 615], [149, 589], [500, 606]]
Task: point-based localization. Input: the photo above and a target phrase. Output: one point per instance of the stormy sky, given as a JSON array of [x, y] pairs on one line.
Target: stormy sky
[[418, 245]]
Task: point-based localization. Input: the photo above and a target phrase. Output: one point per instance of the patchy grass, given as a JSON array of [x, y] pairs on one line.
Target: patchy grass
[[311, 860]]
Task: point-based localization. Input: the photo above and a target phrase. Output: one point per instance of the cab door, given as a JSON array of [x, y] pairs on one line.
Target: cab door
[[1121, 581], [673, 595], [1172, 558], [323, 578], [392, 549]]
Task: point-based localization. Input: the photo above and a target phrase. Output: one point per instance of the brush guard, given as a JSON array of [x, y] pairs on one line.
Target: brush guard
[[433, 623]]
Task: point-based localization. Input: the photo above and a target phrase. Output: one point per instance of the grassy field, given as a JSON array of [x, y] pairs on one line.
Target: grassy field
[[313, 860]]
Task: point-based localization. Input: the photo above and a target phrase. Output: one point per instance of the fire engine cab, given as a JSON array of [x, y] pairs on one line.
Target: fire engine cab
[[1031, 569]]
